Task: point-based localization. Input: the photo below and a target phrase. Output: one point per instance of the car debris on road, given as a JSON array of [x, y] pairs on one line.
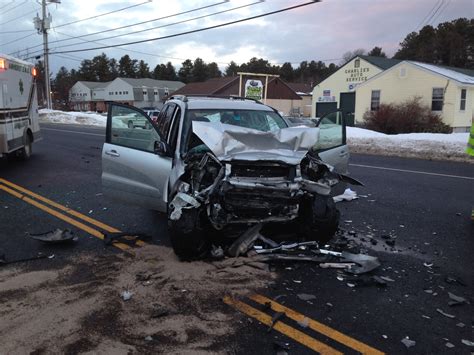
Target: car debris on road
[[55, 237]]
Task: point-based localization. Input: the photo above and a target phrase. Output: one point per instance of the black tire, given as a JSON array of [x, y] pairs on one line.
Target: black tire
[[320, 219], [25, 152], [130, 125], [187, 238]]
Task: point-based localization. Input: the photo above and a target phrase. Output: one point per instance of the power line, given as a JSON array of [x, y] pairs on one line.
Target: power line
[[193, 31], [104, 14], [162, 26], [3, 32], [16, 18], [441, 11], [135, 24], [434, 13], [426, 16], [17, 39], [13, 8], [135, 51]]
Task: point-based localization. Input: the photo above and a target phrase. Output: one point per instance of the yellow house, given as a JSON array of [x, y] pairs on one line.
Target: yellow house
[[448, 91], [338, 90]]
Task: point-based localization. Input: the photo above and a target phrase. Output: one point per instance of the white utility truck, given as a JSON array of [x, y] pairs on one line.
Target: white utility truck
[[19, 126]]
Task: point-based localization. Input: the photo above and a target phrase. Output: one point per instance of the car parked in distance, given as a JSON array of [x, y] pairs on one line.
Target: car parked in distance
[[153, 114]]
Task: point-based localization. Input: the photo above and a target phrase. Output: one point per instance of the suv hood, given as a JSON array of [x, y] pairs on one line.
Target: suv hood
[[229, 142]]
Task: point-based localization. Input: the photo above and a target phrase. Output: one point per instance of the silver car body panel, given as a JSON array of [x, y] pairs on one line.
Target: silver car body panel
[[135, 177], [229, 142]]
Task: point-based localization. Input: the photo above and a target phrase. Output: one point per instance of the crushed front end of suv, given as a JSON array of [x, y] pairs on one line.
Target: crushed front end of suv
[[234, 163]]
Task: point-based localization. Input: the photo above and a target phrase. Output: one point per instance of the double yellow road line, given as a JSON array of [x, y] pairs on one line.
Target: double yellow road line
[[52, 207], [296, 334]]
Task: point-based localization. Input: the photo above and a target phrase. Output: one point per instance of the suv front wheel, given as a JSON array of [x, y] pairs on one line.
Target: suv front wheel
[[319, 219], [187, 237]]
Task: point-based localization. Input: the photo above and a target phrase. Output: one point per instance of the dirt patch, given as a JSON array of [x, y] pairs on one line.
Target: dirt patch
[[175, 307]]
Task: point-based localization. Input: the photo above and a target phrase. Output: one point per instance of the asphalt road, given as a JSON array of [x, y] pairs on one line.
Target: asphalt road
[[424, 206]]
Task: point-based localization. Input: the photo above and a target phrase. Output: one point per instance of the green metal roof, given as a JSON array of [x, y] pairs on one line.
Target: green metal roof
[[381, 62]]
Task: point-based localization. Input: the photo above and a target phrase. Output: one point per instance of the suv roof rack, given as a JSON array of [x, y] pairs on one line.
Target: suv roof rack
[[184, 98]]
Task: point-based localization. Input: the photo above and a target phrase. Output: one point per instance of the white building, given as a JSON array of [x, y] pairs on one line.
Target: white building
[[91, 96]]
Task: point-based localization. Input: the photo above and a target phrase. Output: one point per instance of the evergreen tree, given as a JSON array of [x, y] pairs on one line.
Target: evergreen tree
[[213, 70], [127, 67], [143, 70], [287, 72], [169, 72], [185, 72], [158, 71], [377, 52], [199, 70], [232, 69]]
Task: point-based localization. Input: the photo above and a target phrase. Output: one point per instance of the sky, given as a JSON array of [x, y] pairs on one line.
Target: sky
[[320, 31]]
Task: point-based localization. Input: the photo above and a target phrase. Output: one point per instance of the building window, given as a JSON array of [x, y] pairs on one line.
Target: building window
[[462, 105], [375, 100], [403, 72], [144, 93], [357, 63], [116, 93], [437, 99], [155, 93]]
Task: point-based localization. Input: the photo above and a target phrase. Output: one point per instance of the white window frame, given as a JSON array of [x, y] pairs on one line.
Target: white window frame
[[462, 101], [374, 100], [438, 98]]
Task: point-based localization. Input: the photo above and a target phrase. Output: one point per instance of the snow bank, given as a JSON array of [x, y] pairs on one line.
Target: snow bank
[[80, 118], [437, 146]]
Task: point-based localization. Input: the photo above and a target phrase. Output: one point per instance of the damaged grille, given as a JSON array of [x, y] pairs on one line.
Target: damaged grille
[[265, 170], [258, 204]]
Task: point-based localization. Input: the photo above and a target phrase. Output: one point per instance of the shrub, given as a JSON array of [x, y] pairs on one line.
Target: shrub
[[406, 117]]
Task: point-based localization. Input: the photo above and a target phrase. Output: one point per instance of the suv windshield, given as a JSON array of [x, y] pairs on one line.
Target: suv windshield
[[256, 119]]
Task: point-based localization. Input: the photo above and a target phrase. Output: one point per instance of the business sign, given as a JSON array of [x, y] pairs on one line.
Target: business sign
[[327, 98], [254, 89]]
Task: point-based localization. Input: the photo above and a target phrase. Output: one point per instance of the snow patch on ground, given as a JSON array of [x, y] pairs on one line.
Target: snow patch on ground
[[72, 117], [437, 146]]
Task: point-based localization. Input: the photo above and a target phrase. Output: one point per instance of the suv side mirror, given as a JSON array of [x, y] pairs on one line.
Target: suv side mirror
[[163, 149]]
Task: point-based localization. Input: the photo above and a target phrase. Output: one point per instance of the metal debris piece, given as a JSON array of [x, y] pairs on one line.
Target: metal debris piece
[[428, 265], [379, 281], [306, 297], [336, 265], [386, 278], [351, 284], [408, 342], [455, 280], [456, 300], [55, 237], [284, 257], [427, 317], [460, 325], [148, 338], [276, 317], [217, 253], [467, 342], [449, 345], [364, 263], [126, 295], [268, 241], [245, 241], [286, 247], [445, 314]]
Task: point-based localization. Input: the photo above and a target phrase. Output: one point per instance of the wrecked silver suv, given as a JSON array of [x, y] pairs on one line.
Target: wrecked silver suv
[[219, 165]]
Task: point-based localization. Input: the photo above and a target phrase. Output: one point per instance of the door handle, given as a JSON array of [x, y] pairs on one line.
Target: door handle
[[343, 154], [112, 153]]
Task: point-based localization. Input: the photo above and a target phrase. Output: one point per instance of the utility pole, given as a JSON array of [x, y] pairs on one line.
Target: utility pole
[[42, 25]]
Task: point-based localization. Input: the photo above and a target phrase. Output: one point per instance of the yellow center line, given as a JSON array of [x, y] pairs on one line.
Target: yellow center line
[[281, 327], [318, 327], [68, 210], [61, 216]]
